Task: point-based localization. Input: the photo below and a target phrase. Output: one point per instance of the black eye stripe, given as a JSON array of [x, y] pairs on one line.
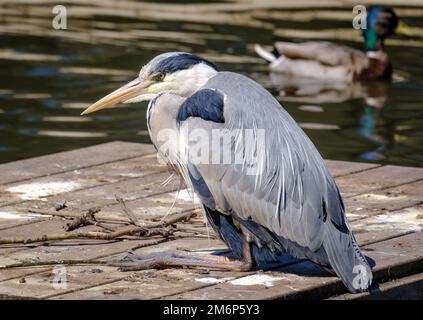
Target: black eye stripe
[[180, 61]]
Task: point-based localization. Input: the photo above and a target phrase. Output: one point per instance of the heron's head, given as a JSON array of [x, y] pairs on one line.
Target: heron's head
[[174, 72]]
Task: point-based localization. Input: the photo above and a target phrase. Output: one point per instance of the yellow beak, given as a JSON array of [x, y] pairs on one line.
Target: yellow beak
[[405, 29], [121, 95]]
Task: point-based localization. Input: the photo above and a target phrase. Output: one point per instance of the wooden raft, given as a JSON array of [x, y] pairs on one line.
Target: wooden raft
[[384, 205]]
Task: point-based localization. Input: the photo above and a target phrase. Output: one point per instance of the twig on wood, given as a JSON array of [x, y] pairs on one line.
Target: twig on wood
[[147, 244], [60, 206], [131, 216], [190, 229], [102, 225], [51, 263], [87, 218], [164, 232], [72, 214], [182, 235], [102, 235], [172, 219]]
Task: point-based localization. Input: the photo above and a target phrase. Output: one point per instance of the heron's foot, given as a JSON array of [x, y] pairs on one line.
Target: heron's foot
[[180, 258]]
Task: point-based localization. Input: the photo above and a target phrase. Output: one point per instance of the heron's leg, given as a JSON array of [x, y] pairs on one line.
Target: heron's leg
[[181, 258]]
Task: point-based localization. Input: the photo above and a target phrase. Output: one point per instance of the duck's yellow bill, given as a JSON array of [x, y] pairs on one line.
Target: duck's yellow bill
[[405, 29]]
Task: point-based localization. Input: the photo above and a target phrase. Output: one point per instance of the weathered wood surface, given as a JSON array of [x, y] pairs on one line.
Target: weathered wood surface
[[384, 204]]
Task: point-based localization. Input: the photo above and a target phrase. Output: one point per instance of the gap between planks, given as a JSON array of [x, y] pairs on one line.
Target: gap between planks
[[382, 188], [123, 179], [72, 169], [126, 147]]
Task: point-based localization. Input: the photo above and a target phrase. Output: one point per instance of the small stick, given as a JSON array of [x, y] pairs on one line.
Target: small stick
[[102, 235], [129, 213], [50, 263], [87, 218], [72, 214], [150, 243], [60, 206], [190, 229], [102, 225], [183, 235]]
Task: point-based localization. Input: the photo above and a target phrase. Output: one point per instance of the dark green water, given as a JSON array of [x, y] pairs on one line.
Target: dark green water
[[48, 77]]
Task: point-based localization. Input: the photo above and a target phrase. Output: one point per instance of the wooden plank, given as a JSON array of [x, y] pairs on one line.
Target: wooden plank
[[372, 229], [193, 282], [47, 283], [57, 250], [377, 179], [51, 226], [36, 229], [67, 250], [39, 285], [383, 201], [133, 289], [153, 207], [149, 285], [342, 168], [193, 244], [387, 226], [12, 218], [20, 273], [125, 290], [78, 179], [71, 160], [104, 195], [158, 283], [394, 258], [44, 187], [407, 288], [360, 221]]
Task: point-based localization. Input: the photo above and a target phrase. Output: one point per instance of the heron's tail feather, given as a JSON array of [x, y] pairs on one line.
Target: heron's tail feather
[[266, 55], [346, 259]]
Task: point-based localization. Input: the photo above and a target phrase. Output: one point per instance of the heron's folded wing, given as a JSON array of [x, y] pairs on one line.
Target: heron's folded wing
[[280, 180]]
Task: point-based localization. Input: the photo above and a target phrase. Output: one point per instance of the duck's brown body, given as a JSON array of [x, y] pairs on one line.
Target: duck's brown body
[[327, 61]]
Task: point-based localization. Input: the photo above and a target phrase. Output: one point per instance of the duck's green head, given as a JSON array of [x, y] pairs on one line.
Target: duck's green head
[[381, 23]]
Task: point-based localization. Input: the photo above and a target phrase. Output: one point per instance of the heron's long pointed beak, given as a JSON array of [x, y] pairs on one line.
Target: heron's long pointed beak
[[121, 95]]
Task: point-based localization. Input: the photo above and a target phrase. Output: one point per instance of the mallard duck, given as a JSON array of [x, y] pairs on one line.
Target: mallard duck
[[329, 61]]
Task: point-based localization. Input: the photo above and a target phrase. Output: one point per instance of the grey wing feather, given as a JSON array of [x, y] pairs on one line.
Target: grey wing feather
[[294, 196]]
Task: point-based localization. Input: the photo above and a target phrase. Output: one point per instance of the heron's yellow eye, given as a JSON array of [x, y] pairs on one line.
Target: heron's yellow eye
[[159, 76]]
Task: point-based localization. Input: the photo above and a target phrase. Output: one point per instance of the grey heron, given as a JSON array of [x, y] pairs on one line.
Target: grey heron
[[278, 198]]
